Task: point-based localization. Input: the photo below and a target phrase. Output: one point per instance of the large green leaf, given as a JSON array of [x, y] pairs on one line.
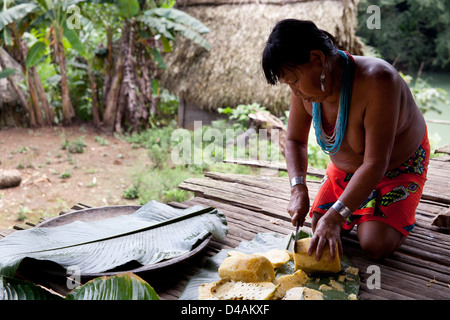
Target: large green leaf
[[128, 8], [159, 25], [15, 289], [123, 286], [265, 242], [169, 28], [35, 53], [153, 233], [73, 39], [180, 17], [16, 13], [5, 73]]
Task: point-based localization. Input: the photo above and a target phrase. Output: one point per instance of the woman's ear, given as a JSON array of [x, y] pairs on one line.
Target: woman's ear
[[317, 57]]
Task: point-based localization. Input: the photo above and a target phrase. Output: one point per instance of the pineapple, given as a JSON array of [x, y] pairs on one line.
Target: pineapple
[[309, 263]]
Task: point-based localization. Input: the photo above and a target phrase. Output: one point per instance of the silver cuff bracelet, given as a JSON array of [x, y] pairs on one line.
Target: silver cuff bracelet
[[342, 209], [297, 180]]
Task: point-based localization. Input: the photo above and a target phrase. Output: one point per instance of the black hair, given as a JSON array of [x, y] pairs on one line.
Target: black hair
[[289, 45]]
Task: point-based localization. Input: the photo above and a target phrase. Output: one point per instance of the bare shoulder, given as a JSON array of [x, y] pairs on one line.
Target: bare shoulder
[[376, 80], [371, 70]]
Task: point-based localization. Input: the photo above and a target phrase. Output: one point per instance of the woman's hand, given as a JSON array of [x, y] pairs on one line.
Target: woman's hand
[[327, 232], [298, 206]]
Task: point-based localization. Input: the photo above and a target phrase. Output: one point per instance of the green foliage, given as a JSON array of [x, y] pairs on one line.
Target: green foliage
[[16, 13], [101, 22], [102, 141], [16, 289], [128, 8], [425, 96], [167, 107], [65, 175], [75, 146], [240, 114], [7, 72], [123, 286], [35, 54], [412, 32], [170, 22], [132, 192]]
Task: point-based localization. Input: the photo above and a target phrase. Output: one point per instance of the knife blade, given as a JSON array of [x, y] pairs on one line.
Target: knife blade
[[296, 236]]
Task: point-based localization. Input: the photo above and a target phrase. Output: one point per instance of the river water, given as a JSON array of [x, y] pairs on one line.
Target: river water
[[439, 134]]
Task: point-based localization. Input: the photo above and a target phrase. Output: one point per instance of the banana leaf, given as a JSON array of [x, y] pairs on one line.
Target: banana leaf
[[123, 286], [265, 242], [15, 289], [153, 233], [16, 13]]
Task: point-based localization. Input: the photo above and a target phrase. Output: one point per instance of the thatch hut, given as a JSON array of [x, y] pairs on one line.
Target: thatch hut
[[230, 73]]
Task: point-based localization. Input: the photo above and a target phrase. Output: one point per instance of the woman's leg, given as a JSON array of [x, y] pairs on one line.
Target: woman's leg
[[379, 240]]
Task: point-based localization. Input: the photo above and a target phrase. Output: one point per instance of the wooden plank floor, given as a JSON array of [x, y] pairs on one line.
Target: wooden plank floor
[[418, 270], [255, 204]]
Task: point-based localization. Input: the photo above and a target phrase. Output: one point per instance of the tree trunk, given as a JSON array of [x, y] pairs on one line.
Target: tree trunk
[[108, 69], [49, 115], [112, 95], [145, 84], [94, 95], [129, 81], [67, 108], [34, 100], [120, 109]]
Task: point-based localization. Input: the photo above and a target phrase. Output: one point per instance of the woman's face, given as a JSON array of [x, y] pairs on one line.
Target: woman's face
[[304, 80]]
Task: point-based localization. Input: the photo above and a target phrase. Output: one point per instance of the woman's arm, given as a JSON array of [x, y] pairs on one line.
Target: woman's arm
[[297, 158]]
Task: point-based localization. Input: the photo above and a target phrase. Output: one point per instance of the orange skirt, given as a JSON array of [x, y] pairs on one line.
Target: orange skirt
[[394, 200]]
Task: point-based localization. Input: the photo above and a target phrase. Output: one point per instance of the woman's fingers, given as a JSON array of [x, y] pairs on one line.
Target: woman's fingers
[[332, 245], [312, 245], [318, 245]]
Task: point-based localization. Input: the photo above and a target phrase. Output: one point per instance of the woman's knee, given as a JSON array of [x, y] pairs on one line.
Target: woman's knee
[[376, 250], [378, 240]]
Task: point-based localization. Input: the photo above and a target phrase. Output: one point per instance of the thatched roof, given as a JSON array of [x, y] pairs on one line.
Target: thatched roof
[[230, 73]]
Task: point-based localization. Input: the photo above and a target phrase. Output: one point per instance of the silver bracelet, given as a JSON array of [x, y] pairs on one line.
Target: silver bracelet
[[342, 209], [297, 180]]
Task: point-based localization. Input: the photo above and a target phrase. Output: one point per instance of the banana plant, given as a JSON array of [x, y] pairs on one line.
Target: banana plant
[[149, 30], [51, 14], [54, 15]]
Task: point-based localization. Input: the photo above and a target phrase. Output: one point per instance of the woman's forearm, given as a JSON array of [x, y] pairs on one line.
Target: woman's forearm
[[362, 183], [296, 158]]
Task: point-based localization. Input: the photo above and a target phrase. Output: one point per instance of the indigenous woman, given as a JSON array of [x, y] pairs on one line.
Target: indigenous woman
[[364, 116]]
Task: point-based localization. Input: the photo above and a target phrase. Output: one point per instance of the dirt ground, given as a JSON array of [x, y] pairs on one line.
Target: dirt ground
[[54, 179]]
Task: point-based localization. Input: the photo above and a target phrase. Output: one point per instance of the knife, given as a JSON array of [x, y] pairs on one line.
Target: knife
[[296, 236]]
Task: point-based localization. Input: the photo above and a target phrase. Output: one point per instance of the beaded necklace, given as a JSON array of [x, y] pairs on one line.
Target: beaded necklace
[[331, 144]]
